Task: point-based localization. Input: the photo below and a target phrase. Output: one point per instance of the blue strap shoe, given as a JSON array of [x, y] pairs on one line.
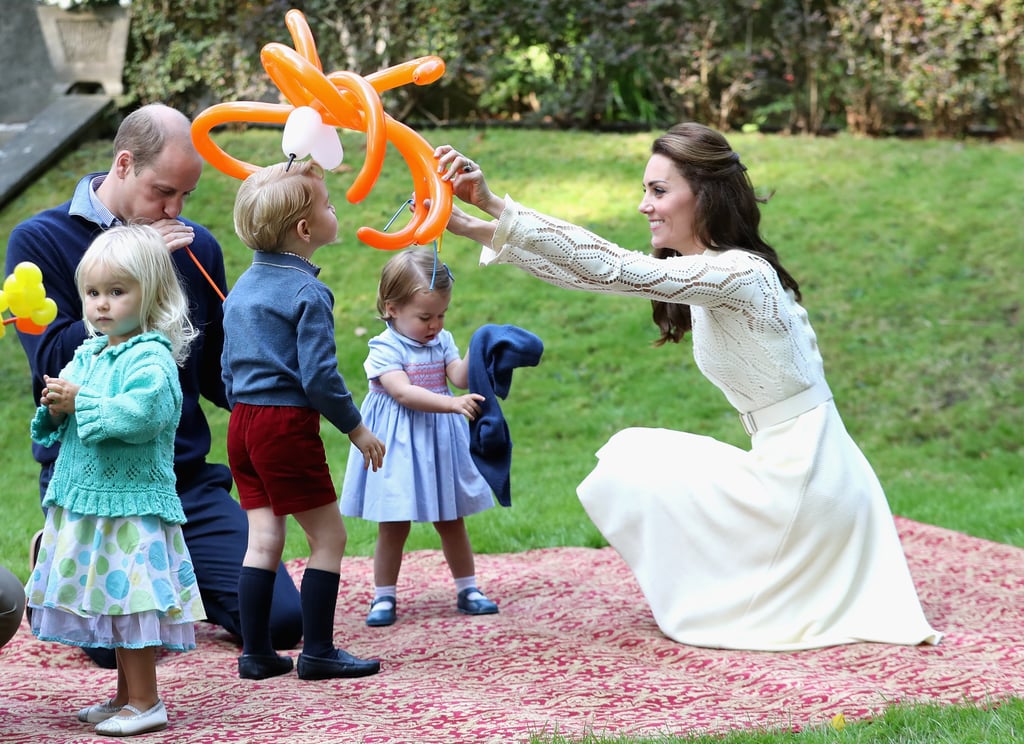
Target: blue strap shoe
[[473, 602], [383, 611]]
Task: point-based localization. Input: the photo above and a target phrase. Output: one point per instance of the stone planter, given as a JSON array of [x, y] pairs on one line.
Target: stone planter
[[86, 46]]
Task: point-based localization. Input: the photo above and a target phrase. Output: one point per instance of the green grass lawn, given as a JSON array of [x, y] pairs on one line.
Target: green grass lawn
[[909, 257]]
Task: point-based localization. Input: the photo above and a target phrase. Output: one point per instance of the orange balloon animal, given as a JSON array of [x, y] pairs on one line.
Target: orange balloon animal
[[342, 99]]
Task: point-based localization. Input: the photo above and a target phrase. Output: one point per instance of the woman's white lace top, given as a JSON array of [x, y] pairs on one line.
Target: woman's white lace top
[[750, 336]]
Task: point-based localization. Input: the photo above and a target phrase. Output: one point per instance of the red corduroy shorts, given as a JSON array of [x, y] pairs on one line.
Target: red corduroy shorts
[[277, 458]]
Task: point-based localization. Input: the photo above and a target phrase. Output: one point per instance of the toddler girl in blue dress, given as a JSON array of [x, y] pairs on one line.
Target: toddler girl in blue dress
[[429, 474]]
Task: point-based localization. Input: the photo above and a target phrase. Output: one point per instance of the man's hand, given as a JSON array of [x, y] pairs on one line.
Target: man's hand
[[176, 234]]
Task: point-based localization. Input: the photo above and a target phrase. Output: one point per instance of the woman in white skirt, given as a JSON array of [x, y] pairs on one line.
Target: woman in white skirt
[[790, 545]]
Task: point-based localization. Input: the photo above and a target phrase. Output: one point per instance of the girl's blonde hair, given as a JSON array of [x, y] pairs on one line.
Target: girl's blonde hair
[[272, 200], [138, 253], [408, 273]]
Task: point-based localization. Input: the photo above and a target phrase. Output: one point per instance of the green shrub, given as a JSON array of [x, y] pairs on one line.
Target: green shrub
[[873, 66]]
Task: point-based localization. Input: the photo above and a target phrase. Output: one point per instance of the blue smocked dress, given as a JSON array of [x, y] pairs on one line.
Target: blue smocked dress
[[428, 473]]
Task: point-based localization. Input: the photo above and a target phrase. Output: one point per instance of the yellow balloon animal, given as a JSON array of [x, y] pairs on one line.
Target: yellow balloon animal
[[24, 295]]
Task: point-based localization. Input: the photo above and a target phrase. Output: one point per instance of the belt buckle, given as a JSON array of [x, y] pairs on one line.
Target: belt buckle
[[749, 423]]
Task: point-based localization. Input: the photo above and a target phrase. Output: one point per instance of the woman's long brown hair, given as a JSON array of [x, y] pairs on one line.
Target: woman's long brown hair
[[727, 215]]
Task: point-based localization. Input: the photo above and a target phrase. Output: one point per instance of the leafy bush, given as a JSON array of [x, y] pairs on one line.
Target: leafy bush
[[872, 66]]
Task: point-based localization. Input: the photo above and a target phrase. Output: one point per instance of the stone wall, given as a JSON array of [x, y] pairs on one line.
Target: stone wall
[[26, 75]]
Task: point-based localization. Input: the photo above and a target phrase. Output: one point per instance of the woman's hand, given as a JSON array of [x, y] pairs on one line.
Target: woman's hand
[[467, 179]]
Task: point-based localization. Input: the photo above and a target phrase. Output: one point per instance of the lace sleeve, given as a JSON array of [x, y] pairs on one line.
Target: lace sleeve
[[569, 256]]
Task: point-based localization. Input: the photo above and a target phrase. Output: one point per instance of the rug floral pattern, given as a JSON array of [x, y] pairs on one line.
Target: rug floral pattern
[[573, 651]]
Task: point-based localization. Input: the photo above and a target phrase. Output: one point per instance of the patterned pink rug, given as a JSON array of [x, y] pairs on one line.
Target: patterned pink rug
[[572, 652]]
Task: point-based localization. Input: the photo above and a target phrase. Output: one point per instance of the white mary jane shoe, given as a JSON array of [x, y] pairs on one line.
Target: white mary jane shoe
[[99, 712], [140, 722]]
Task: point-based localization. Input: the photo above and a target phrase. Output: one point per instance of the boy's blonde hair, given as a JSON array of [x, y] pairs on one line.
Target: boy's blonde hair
[[138, 253], [408, 273], [272, 200]]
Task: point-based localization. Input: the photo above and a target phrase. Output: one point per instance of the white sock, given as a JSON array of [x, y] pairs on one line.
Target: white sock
[[383, 591], [467, 582]]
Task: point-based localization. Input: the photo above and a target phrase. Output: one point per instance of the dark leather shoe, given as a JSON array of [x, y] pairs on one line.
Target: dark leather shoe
[[261, 666], [479, 606], [345, 665], [381, 616]]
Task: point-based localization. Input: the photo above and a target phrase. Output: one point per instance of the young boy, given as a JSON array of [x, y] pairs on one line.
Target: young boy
[[281, 374]]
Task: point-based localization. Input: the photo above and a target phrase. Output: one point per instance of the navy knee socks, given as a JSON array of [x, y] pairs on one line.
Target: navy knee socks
[[255, 592], [319, 595]]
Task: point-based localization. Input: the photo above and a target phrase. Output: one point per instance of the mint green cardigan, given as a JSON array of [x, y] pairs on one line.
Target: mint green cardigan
[[116, 454]]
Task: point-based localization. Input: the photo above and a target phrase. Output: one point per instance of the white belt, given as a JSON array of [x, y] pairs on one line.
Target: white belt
[[786, 409]]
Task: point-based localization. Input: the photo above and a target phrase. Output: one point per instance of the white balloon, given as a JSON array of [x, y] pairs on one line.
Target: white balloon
[[327, 150], [300, 132]]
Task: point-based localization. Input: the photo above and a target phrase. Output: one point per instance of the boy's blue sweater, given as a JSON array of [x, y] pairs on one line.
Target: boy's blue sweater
[[279, 345]]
